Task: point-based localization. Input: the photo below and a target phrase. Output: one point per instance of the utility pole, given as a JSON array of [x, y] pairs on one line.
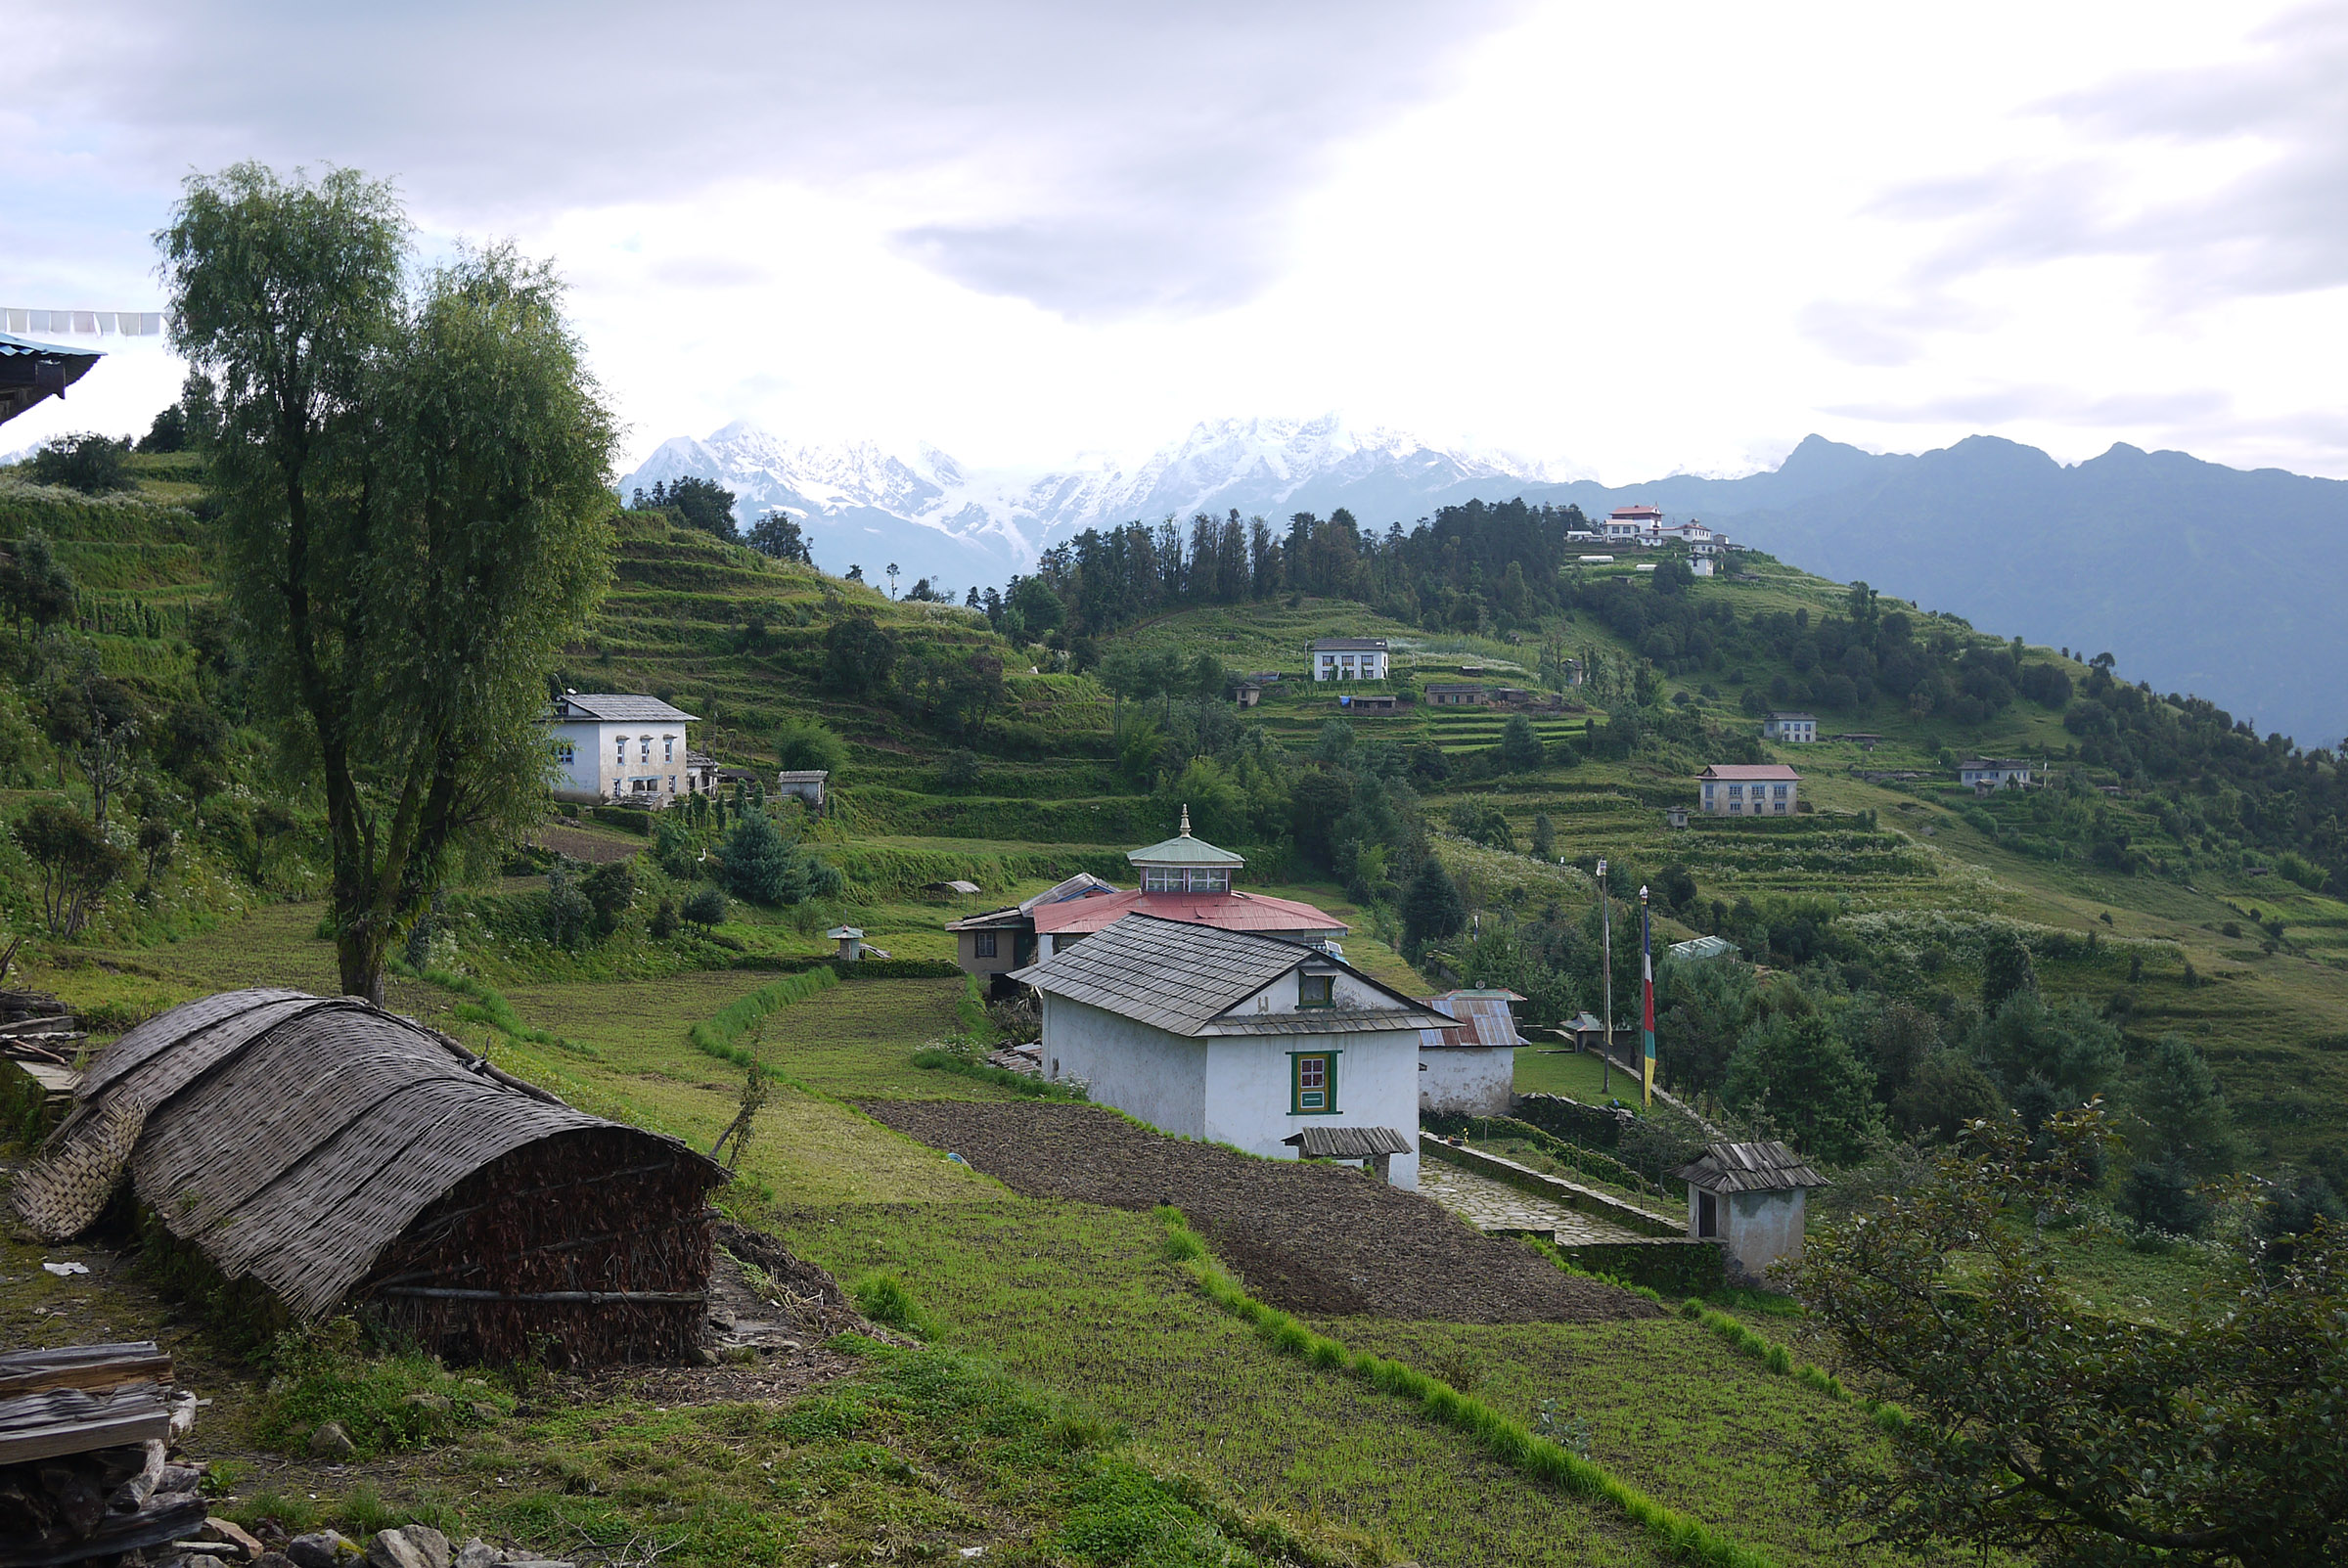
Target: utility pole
[[1605, 926]]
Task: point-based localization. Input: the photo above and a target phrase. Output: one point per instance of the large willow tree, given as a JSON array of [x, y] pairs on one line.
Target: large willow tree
[[414, 516]]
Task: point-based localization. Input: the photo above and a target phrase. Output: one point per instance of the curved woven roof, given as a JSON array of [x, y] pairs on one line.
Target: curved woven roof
[[294, 1137]]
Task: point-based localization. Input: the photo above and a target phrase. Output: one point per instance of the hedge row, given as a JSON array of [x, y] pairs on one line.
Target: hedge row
[[484, 1004], [719, 1036]]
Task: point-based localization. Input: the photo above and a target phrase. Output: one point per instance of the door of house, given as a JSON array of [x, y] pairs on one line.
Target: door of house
[[1707, 1215]]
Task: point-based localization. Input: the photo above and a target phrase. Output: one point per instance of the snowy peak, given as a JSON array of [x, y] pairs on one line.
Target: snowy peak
[[924, 502]]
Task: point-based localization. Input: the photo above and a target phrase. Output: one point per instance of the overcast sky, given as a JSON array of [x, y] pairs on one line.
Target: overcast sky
[[1628, 239]]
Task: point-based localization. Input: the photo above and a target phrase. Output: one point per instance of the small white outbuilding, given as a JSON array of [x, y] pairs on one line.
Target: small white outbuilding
[[1751, 1197], [1470, 1068], [1238, 1038]]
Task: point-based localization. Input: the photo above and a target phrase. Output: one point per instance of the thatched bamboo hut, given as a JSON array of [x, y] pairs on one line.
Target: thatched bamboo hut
[[339, 1155]]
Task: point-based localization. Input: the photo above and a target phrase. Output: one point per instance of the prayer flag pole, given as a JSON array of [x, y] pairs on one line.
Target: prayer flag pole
[[1647, 987]]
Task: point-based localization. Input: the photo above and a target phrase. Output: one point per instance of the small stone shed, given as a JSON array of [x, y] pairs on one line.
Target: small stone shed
[[1752, 1198], [337, 1154]]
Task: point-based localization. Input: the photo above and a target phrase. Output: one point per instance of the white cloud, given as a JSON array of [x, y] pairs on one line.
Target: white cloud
[[1638, 239]]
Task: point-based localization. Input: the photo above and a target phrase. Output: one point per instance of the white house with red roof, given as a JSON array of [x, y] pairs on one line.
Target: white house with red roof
[[1749, 789], [1633, 526], [1186, 878]]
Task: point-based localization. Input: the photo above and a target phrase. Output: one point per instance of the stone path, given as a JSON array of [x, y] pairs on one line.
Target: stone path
[[1491, 1206]]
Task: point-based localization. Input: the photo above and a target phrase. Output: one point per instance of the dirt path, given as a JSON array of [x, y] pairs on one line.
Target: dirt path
[[1321, 1239]]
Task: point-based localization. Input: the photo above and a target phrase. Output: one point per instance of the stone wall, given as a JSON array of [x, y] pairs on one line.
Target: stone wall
[[1671, 1267]]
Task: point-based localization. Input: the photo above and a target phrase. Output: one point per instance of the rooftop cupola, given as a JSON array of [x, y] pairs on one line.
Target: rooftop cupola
[[1185, 865]]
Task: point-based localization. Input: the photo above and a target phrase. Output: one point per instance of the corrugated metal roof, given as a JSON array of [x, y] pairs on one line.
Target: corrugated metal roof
[[1764, 1167], [1484, 1017], [1704, 947], [1349, 644], [1184, 979], [1083, 884], [619, 708], [1347, 1143], [1226, 912], [11, 344]]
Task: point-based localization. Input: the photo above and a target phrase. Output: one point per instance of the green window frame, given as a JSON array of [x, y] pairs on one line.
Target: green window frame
[[1313, 1082], [1316, 990]]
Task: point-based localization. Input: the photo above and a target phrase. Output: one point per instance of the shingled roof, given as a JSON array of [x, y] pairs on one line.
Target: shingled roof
[[1185, 979], [619, 708], [1765, 1167]]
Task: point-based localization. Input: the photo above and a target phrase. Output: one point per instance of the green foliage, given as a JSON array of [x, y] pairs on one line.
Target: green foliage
[[1799, 1073], [2179, 1115], [756, 862], [93, 464], [701, 504], [1026, 1085], [1519, 749], [858, 656], [706, 907], [2069, 1048], [2006, 971], [385, 1404], [884, 1298], [34, 585], [779, 534], [412, 510], [2037, 1425], [805, 744], [1431, 908], [721, 1035], [73, 861]]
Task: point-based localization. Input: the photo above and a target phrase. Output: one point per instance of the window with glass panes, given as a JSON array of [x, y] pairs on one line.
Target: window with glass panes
[[1312, 1083]]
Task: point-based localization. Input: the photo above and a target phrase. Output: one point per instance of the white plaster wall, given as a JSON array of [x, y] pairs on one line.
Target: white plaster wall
[[1247, 1090], [1761, 1227], [594, 771], [1467, 1080], [1143, 1071], [1281, 996]]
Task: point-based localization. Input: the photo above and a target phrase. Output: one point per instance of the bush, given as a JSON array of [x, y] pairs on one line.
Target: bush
[[664, 918], [2165, 1197], [802, 746], [762, 865], [91, 464], [706, 908], [610, 891]]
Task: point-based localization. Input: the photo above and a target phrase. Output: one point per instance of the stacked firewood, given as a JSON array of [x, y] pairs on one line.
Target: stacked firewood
[[38, 1040], [85, 1467]]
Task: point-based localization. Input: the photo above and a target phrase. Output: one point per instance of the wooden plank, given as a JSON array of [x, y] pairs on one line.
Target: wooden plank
[[88, 1366], [68, 1420], [165, 1519]]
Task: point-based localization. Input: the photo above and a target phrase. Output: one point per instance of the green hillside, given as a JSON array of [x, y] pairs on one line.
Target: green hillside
[[1073, 1378], [1033, 778]]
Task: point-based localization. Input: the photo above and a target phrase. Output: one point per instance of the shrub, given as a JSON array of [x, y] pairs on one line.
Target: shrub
[[805, 745], [89, 463], [706, 908], [664, 918]]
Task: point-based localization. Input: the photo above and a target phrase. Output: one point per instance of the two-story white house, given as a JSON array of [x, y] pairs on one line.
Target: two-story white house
[[1749, 789], [1633, 526], [1795, 729], [610, 747], [1995, 773], [1274, 1048], [1349, 658]]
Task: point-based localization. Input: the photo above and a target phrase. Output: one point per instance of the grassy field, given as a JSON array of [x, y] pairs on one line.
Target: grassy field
[[1078, 1305]]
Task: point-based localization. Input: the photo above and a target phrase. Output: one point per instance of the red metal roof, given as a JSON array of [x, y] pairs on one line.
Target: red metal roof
[[1226, 912]]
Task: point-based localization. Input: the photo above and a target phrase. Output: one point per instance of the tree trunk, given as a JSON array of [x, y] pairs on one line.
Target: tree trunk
[[360, 946]]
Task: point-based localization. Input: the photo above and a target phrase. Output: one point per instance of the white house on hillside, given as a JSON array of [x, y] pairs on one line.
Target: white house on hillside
[[1795, 729], [611, 747], [1994, 773], [1750, 790], [1633, 526], [1273, 1048], [1349, 658]]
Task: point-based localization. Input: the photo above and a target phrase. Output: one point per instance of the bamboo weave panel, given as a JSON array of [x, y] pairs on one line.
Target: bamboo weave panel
[[169, 1029], [238, 1131]]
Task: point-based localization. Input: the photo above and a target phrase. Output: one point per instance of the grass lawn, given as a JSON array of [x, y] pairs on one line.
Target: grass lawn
[[1580, 1075]]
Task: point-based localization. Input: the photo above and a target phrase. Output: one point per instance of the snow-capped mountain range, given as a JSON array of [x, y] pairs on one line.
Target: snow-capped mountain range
[[865, 505]]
